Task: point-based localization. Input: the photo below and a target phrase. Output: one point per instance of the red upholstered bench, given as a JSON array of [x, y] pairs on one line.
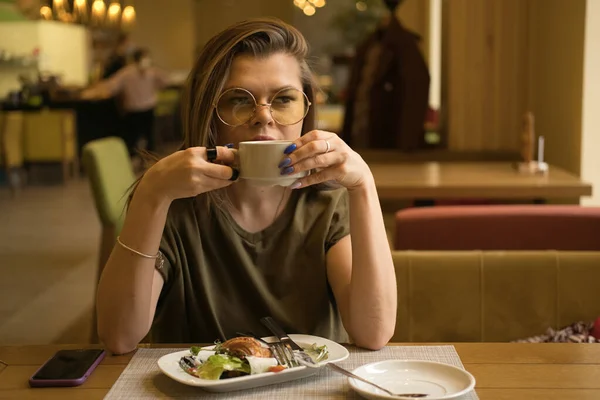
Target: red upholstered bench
[[498, 227]]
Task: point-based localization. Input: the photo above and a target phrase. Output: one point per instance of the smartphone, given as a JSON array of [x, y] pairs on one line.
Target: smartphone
[[67, 368]]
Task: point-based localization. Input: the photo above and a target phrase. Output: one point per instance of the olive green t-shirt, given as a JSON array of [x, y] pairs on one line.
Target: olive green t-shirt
[[221, 279]]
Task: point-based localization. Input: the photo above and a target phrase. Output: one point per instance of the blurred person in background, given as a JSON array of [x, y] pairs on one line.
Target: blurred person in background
[[120, 58], [388, 90], [138, 85]]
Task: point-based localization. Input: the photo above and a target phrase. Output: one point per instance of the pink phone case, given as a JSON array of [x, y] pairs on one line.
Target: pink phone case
[[64, 382]]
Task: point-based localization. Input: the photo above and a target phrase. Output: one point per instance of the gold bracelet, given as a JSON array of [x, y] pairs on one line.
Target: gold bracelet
[[158, 257]]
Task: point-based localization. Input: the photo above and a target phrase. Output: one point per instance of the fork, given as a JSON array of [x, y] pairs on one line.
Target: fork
[[284, 355], [281, 352]]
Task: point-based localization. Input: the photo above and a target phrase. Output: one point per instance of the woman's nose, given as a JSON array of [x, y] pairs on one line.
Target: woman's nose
[[262, 115]]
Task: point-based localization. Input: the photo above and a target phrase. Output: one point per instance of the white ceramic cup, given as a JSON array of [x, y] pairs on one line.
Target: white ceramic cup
[[259, 163]]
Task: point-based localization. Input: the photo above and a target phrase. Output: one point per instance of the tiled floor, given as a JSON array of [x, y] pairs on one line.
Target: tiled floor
[[48, 250]]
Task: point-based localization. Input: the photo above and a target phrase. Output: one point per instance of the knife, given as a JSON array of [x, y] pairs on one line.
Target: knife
[[298, 352]]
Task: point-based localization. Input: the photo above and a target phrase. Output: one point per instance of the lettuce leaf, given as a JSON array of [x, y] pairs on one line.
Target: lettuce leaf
[[317, 353], [195, 350], [218, 363]]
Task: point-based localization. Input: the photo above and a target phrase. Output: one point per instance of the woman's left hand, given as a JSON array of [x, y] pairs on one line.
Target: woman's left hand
[[330, 155]]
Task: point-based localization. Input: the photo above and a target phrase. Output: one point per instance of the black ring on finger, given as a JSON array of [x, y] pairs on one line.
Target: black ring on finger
[[235, 173], [211, 154]]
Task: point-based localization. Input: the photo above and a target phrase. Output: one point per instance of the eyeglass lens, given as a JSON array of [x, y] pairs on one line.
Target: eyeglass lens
[[237, 106]]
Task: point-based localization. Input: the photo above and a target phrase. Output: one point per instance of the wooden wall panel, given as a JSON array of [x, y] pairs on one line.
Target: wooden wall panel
[[167, 28], [485, 63], [556, 77], [212, 16]]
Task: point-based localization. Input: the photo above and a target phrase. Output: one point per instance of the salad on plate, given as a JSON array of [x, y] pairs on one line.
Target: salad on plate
[[239, 356]]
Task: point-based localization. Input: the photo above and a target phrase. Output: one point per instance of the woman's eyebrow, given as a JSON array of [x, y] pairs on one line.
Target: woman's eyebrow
[[271, 91], [279, 89]]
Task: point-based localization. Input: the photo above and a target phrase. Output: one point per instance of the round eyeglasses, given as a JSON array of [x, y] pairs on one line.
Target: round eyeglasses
[[237, 106]]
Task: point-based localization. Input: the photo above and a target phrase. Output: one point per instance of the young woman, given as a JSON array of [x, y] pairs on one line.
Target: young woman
[[203, 255]]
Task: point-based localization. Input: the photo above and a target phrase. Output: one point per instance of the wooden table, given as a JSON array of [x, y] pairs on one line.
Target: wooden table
[[490, 180], [504, 371]]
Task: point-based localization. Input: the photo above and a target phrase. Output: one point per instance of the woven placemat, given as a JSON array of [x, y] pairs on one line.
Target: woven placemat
[[142, 379]]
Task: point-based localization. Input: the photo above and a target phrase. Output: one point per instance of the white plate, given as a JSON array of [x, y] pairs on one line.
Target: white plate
[[169, 365], [438, 380]]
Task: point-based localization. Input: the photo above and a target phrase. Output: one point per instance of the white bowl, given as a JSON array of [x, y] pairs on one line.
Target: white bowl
[[440, 381]]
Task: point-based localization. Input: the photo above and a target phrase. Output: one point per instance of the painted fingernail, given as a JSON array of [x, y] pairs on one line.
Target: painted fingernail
[[290, 148], [229, 145], [287, 171], [285, 162], [235, 173], [296, 185]]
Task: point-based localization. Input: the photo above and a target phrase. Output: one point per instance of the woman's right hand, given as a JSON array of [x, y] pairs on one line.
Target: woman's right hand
[[188, 173]]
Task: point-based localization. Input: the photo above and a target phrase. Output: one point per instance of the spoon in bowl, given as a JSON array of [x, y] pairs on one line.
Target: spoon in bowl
[[343, 371]]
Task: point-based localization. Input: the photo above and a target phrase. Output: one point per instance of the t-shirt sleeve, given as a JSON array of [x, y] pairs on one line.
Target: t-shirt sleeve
[[340, 220], [169, 249]]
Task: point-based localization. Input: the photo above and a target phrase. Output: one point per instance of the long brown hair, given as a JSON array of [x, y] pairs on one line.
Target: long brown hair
[[261, 37]]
